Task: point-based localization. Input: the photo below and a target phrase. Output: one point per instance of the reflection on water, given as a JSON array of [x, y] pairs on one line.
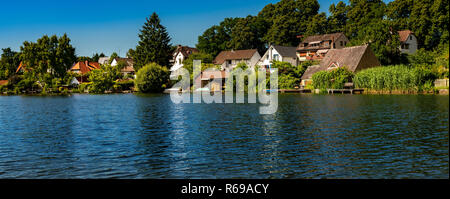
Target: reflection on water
[[147, 136]]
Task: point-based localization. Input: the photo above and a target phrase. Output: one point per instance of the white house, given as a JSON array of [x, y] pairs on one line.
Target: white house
[[103, 60], [230, 59], [408, 42], [180, 54], [279, 53]]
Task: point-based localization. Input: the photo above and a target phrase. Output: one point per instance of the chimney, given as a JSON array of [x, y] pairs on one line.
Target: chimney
[[332, 42]]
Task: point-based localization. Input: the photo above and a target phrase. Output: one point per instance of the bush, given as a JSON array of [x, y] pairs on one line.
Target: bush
[[333, 79], [83, 87], [152, 78], [124, 85], [288, 82], [289, 75], [397, 77]]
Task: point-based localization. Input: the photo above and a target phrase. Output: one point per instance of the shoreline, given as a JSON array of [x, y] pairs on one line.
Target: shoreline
[[370, 92]]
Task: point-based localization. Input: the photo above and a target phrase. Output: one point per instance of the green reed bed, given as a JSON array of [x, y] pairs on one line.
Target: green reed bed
[[395, 78]]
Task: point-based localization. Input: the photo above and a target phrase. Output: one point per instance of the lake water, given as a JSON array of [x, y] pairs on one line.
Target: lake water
[[311, 136]]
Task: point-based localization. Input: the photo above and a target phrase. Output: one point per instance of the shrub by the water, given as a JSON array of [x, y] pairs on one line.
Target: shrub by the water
[[333, 79], [124, 85], [152, 78], [397, 77]]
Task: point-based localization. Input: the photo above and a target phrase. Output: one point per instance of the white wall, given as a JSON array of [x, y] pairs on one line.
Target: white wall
[[178, 62], [412, 42]]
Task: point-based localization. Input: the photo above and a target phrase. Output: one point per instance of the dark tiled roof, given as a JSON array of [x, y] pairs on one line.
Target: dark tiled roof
[[325, 37], [286, 51], [310, 71], [353, 58], [185, 50], [234, 55], [320, 39]]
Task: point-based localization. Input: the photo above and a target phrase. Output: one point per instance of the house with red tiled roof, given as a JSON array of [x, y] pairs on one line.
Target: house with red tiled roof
[[408, 41], [230, 59], [317, 46], [84, 67], [3, 82]]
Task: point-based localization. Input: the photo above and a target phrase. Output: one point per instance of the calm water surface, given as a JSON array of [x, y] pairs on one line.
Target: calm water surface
[[311, 136]]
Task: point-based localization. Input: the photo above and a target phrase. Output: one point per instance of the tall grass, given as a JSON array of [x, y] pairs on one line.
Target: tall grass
[[396, 77], [333, 79]]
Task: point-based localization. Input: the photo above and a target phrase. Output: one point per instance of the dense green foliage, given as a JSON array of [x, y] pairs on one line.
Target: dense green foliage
[[49, 54], [332, 79], [152, 78], [289, 76], [103, 79], [437, 61], [154, 44], [397, 77], [364, 22], [45, 65], [277, 23], [8, 63]]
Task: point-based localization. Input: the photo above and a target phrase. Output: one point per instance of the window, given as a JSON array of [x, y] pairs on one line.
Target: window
[[229, 62], [276, 57], [342, 43], [410, 37], [345, 43], [406, 46]]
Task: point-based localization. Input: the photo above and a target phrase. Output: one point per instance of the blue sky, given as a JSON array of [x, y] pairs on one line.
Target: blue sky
[[113, 26]]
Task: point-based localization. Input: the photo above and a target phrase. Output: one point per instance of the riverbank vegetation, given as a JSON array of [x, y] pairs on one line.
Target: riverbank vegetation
[[45, 62], [363, 22], [333, 79], [289, 76], [152, 78]]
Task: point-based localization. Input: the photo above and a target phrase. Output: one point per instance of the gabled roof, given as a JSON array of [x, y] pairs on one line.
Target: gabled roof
[[353, 58], [127, 61], [234, 55], [127, 69], [325, 37], [85, 67], [403, 35], [21, 66], [103, 60], [286, 51], [3, 82], [185, 50]]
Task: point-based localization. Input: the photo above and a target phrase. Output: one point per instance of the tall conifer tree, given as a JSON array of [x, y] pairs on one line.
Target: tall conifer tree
[[154, 44]]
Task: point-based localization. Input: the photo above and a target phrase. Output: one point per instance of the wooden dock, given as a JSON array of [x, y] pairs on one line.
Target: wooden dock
[[345, 91], [294, 90]]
